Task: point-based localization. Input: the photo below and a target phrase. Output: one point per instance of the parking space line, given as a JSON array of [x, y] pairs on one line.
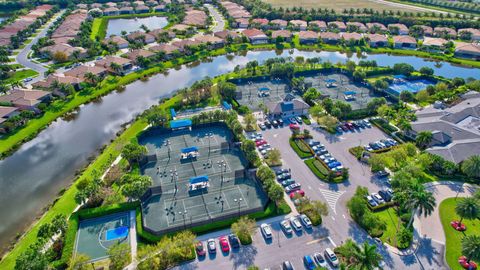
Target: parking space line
[[315, 241], [331, 241]]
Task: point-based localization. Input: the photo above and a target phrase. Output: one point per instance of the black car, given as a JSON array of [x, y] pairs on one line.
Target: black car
[[234, 242], [385, 195], [286, 265], [268, 124], [275, 123], [280, 122], [382, 174], [281, 171]]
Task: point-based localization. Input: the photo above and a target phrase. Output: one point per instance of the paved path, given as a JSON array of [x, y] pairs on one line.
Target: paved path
[[22, 57], [133, 234], [217, 18]]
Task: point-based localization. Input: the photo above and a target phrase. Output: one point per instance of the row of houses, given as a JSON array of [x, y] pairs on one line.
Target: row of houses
[[197, 18], [136, 7], [22, 23], [236, 11]]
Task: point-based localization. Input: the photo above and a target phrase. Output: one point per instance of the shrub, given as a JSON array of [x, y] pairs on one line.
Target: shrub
[[300, 147], [405, 237], [356, 151]]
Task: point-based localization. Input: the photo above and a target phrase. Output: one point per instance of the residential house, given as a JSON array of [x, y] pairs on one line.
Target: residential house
[[114, 64], [25, 99], [351, 37], [96, 5], [259, 23], [427, 30], [337, 25], [404, 42], [185, 45], [308, 37], [278, 24], [472, 32], [160, 8], [138, 35], [288, 107], [377, 40], [255, 36], [225, 34], [182, 29], [82, 6], [298, 25], [142, 9], [120, 41], [467, 50], [111, 4], [69, 51], [235, 10], [318, 26], [5, 113], [286, 35], [398, 29], [157, 33], [242, 23], [126, 10], [434, 44], [51, 79], [135, 54], [197, 18], [330, 37], [212, 42], [376, 27], [168, 49], [110, 11], [445, 32], [356, 27], [80, 71]]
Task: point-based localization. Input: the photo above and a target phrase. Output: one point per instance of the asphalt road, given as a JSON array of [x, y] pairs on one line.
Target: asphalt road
[[218, 18]]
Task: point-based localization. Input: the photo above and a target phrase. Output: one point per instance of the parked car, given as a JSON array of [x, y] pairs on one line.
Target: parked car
[[367, 123], [339, 129], [293, 120], [308, 262], [286, 226], [200, 249], [287, 182], [371, 201], [262, 126], [313, 143], [319, 259], [306, 221], [266, 230], [224, 244], [233, 239], [212, 248], [281, 171], [390, 191], [293, 187], [284, 176], [286, 265], [378, 198], [299, 119], [382, 174], [280, 122], [260, 142], [268, 124], [296, 224], [385, 195], [27, 79], [275, 123], [331, 257], [294, 126], [299, 192]]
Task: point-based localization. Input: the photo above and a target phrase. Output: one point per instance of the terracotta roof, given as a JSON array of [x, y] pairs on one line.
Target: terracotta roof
[[115, 39], [329, 36], [61, 78], [447, 30], [400, 26], [474, 31], [109, 59], [439, 42], [299, 23], [225, 33], [208, 39], [467, 47], [133, 55], [279, 22], [320, 24], [352, 36], [426, 29], [360, 25], [307, 35], [404, 39], [24, 97], [378, 25], [163, 47], [377, 38], [5, 111], [260, 21], [340, 25], [80, 71], [254, 33], [281, 33]]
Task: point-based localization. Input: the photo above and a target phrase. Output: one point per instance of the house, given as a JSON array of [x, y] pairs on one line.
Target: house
[[426, 30], [356, 27], [184, 45], [318, 26], [398, 29], [142, 9], [351, 37], [96, 5], [404, 42], [67, 50], [434, 44], [467, 50], [126, 10], [455, 130], [168, 49], [242, 23], [376, 27], [80, 71], [159, 8], [5, 113], [135, 54], [330, 37], [82, 6], [260, 23], [308, 37], [298, 25], [157, 33], [138, 35], [444, 32], [255, 36], [472, 32], [25, 99], [111, 11], [288, 107], [212, 42], [278, 24], [197, 18], [286, 35], [225, 34], [114, 64], [120, 41], [51, 79], [377, 40], [340, 26], [182, 28], [111, 4]]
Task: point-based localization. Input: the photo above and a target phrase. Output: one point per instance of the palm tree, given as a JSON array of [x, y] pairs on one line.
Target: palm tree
[[468, 208], [367, 258], [420, 202], [116, 68], [471, 166], [471, 247], [91, 77], [423, 139]]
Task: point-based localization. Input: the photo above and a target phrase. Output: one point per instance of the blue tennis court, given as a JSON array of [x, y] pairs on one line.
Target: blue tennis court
[[410, 86], [116, 233]]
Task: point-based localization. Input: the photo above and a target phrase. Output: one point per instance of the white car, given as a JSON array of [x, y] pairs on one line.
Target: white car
[[331, 257], [211, 245], [296, 224], [266, 230], [371, 201], [286, 227], [378, 198], [306, 221]]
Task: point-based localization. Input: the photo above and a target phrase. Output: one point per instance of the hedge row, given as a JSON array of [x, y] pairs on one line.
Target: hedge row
[[320, 171], [302, 153], [384, 125]]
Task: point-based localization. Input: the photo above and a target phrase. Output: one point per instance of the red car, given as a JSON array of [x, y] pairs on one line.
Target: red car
[[300, 192], [200, 249], [467, 265], [224, 244], [294, 126], [260, 142], [458, 226]]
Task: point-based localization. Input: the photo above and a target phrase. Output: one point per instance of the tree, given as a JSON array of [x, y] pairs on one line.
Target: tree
[[403, 69], [133, 152], [275, 193], [471, 247], [274, 157], [184, 241], [59, 57], [319, 207], [79, 262], [227, 89], [249, 121], [92, 78], [423, 139], [367, 257], [119, 256], [420, 201], [407, 96], [244, 227], [427, 71], [471, 166], [134, 186], [350, 66], [310, 95], [468, 208], [32, 259]]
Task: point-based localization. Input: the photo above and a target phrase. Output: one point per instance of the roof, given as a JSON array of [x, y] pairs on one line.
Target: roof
[[360, 25], [320, 24], [464, 47], [400, 26], [260, 21], [446, 30], [24, 97], [330, 36], [438, 42], [198, 179], [180, 123], [351, 36], [307, 35], [299, 23], [226, 33], [133, 55], [5, 111], [404, 39], [189, 149], [376, 25], [377, 38], [279, 22], [80, 71], [164, 47], [61, 78], [109, 59], [208, 39], [254, 33], [115, 39], [287, 106], [339, 24], [281, 33]]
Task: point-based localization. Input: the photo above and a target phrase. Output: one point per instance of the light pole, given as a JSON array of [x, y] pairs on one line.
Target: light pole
[[183, 214], [239, 201]]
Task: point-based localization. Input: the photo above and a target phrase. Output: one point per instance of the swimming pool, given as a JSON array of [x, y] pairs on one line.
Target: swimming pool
[[410, 86], [120, 232]]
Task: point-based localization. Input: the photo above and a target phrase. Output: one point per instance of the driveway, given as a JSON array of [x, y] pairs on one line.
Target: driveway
[[218, 19]]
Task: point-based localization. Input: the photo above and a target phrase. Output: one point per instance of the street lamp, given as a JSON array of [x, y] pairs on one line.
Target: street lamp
[[183, 214], [239, 201]]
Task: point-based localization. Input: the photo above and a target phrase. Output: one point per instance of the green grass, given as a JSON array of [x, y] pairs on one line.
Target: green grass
[[391, 218], [299, 146], [20, 75], [453, 237], [320, 171], [99, 28]]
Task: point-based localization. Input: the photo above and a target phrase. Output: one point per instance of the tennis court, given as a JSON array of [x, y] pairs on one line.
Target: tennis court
[[95, 236], [413, 86], [254, 93], [208, 183]]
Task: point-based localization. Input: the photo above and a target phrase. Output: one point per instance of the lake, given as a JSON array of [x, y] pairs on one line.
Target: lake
[[116, 26], [32, 177]]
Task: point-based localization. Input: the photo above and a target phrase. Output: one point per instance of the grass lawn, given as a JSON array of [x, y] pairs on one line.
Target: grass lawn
[[453, 237], [338, 6], [390, 217], [20, 75], [299, 146]]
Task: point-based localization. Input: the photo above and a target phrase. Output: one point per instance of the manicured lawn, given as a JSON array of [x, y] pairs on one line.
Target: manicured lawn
[[300, 148], [20, 75], [453, 237], [320, 171], [390, 217]]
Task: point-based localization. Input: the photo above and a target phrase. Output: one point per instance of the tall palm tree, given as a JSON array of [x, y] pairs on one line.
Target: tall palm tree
[[423, 139], [471, 166], [468, 208], [367, 258], [420, 202], [471, 247]]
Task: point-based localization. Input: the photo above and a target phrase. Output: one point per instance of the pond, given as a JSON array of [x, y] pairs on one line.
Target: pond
[[116, 26], [32, 177]]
